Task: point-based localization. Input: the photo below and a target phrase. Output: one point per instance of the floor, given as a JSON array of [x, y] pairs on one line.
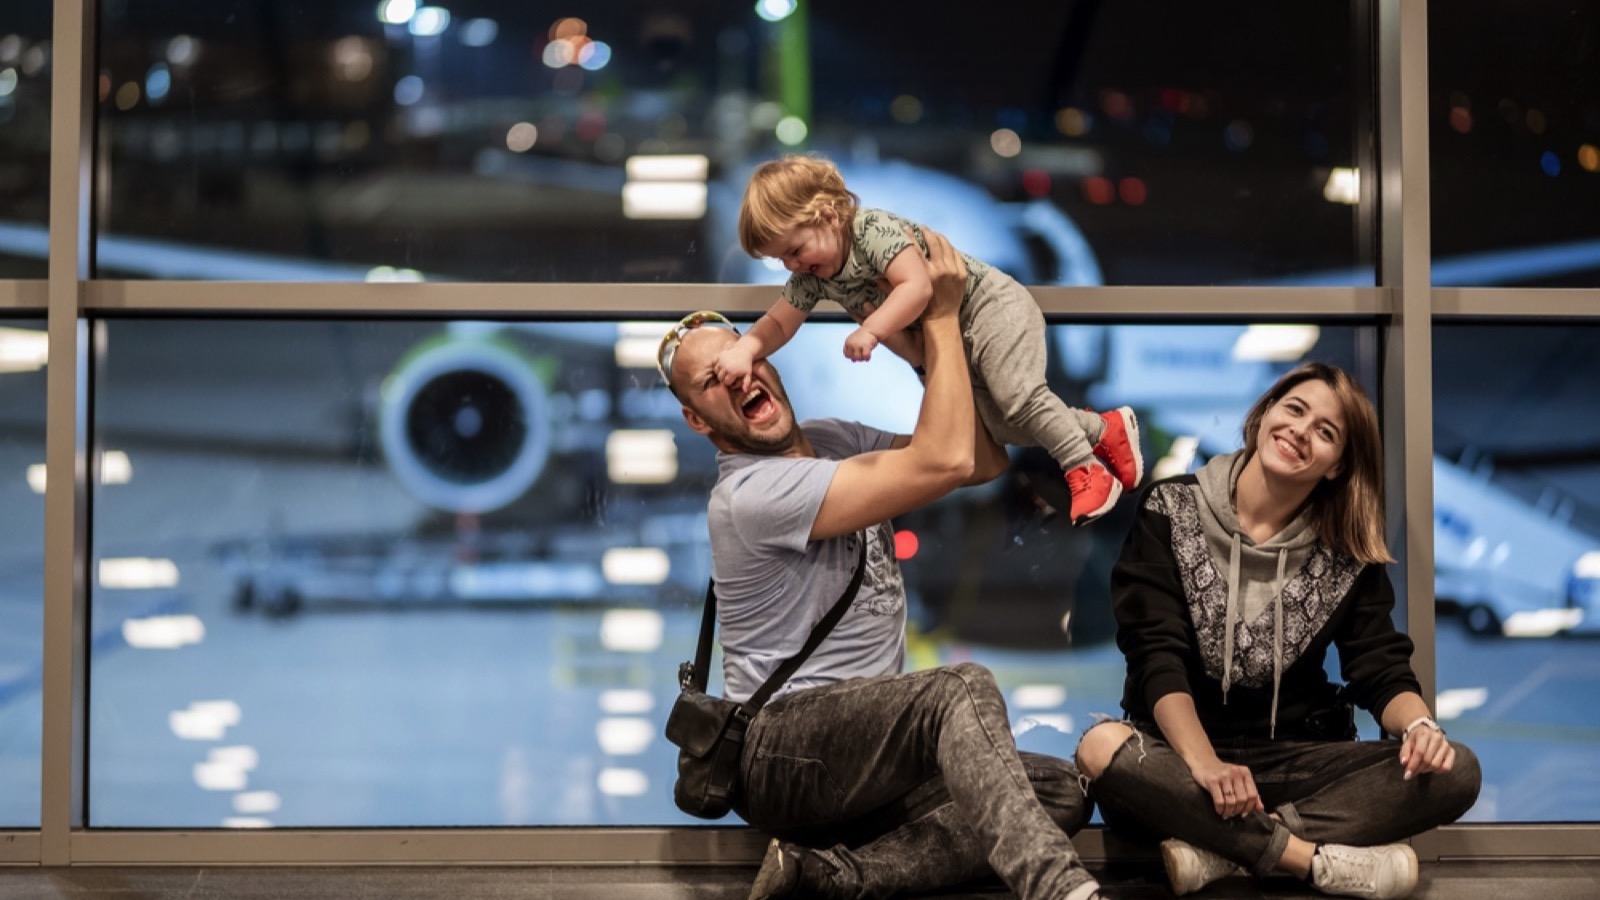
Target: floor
[[1546, 880]]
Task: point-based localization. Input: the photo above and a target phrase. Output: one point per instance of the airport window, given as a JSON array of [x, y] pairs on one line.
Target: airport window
[[22, 412], [1072, 144], [1517, 554], [412, 573], [24, 137], [1515, 145]]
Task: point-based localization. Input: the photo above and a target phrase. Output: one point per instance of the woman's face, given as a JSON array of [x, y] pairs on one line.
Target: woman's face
[[1302, 436]]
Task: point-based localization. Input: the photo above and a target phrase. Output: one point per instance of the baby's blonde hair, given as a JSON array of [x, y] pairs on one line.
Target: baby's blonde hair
[[791, 192]]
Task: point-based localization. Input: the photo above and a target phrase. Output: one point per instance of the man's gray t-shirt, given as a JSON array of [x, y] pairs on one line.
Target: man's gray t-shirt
[[774, 585]]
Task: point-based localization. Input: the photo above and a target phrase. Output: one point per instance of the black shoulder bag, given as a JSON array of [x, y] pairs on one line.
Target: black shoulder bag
[[709, 731]]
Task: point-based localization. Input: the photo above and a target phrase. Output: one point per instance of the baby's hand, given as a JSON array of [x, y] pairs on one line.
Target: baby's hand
[[733, 367], [859, 345]]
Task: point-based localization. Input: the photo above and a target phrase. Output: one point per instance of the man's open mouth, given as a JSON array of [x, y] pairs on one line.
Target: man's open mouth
[[757, 404]]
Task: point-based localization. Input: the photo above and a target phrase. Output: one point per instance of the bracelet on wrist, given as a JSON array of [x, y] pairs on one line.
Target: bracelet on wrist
[[1420, 720]]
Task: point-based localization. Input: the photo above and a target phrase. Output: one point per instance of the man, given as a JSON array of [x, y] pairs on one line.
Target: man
[[907, 782]]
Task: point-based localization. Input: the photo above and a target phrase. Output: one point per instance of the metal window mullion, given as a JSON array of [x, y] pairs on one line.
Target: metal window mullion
[[1522, 303], [64, 651], [23, 296]]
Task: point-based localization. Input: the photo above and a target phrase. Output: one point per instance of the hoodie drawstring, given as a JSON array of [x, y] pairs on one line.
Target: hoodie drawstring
[[1277, 641], [1231, 620], [1230, 617]]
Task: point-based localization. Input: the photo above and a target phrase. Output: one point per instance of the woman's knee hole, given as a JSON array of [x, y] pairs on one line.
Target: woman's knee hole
[[1100, 744]]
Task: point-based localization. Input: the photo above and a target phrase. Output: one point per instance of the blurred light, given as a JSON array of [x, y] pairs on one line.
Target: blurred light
[[1098, 190], [1461, 119], [905, 544], [1066, 624], [8, 81], [157, 82], [163, 632], [1180, 456], [1038, 696], [635, 565], [10, 48], [1588, 565], [137, 573], [1535, 120], [1116, 105], [1132, 191], [1344, 186], [630, 630], [204, 720], [568, 28], [478, 32], [594, 55], [36, 477], [1060, 722], [1537, 623], [622, 783], [183, 50], [790, 130], [408, 90], [352, 61], [619, 702], [1036, 182], [1452, 703], [906, 109], [1550, 163], [1275, 343], [637, 343], [33, 58], [390, 274], [775, 10], [684, 167], [1238, 135], [645, 456], [127, 96], [225, 768], [252, 803], [245, 822], [1005, 142], [521, 137], [23, 350], [429, 21], [765, 115], [1589, 157], [115, 467], [559, 53], [241, 757], [1072, 121], [396, 12], [624, 737], [663, 200]]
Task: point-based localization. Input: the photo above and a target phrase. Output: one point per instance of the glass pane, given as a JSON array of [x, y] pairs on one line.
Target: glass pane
[[22, 405], [1515, 146], [1516, 484], [25, 63], [1074, 143], [425, 573]]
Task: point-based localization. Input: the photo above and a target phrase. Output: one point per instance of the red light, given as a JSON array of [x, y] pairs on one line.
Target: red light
[[905, 544], [1132, 191], [1036, 182], [1098, 190]]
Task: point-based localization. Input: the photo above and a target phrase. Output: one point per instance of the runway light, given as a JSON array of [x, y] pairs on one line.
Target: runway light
[[635, 565], [1344, 186], [204, 720], [1038, 696], [1275, 343], [619, 702], [775, 10], [1452, 703], [163, 632], [641, 456], [622, 782], [137, 573], [624, 737], [251, 803], [631, 630]]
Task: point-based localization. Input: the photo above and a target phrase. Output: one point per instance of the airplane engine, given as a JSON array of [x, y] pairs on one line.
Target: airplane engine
[[464, 424]]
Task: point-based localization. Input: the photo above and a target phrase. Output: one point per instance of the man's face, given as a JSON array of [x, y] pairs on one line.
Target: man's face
[[758, 420]]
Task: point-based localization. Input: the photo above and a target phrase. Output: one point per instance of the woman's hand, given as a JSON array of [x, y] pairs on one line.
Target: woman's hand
[[1425, 749], [1232, 788]]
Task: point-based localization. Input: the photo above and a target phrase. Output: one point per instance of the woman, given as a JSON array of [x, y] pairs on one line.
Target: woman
[[1229, 590]]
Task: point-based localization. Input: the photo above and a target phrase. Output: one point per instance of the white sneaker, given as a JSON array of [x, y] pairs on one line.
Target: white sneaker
[[1385, 872], [1189, 868]]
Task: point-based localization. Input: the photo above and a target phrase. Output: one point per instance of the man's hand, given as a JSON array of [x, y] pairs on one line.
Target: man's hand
[[859, 345], [949, 276]]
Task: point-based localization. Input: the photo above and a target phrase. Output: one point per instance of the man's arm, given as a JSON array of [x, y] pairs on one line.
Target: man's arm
[[939, 455]]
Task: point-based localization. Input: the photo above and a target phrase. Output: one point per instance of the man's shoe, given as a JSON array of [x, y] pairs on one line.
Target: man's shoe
[[1190, 868], [1119, 447], [779, 875], [1385, 872], [1094, 492]]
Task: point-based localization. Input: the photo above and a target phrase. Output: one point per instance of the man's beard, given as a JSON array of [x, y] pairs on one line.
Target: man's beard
[[762, 445]]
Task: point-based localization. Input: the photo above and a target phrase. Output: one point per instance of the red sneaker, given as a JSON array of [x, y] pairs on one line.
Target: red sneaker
[[1119, 447], [1094, 492]]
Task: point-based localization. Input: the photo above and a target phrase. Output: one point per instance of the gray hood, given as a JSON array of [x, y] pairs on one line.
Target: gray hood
[[1256, 573]]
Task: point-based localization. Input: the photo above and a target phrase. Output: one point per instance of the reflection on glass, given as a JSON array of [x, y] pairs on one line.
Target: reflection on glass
[[1517, 552], [1515, 147], [25, 64], [22, 485], [291, 632], [1079, 143]]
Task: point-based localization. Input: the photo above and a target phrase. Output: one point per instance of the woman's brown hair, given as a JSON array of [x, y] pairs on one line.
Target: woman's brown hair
[[1347, 509]]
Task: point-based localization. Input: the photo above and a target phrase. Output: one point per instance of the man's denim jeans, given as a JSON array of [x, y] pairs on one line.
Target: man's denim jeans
[[911, 783]]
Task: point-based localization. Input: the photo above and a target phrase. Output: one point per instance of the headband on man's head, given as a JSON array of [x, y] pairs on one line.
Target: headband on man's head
[[674, 336]]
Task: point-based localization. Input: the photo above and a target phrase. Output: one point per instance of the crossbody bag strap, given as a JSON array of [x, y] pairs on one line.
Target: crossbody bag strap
[[820, 631], [694, 675]]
